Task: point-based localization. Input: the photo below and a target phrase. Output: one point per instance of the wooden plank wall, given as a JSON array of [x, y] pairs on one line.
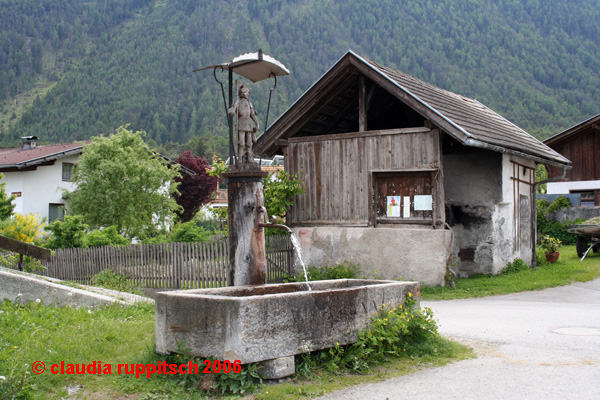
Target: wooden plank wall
[[337, 171], [583, 151]]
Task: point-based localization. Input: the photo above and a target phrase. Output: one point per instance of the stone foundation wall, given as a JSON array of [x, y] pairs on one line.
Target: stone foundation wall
[[408, 253]]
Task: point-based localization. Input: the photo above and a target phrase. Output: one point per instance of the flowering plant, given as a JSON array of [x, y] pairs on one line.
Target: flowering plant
[[550, 244]]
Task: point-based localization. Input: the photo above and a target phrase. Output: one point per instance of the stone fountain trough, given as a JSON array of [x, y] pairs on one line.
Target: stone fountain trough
[[268, 322]]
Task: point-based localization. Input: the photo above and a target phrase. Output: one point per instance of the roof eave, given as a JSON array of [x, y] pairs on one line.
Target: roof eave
[[559, 137], [564, 163]]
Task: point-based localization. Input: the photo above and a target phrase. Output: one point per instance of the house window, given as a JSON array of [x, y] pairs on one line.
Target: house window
[[67, 171], [588, 197], [56, 212], [404, 197]]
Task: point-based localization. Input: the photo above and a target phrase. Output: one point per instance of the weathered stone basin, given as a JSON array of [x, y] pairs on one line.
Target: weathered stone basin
[[265, 322]]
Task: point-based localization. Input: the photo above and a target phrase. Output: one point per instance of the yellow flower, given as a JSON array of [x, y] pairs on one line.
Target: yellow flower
[[409, 294]]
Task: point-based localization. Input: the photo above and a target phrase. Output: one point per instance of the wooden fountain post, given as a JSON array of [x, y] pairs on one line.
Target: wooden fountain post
[[247, 261]]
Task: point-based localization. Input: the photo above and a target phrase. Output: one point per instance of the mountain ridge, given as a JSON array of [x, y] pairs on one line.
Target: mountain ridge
[[116, 62]]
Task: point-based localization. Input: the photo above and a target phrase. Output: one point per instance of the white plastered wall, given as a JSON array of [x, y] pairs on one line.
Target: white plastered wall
[[566, 187], [512, 222], [39, 188]]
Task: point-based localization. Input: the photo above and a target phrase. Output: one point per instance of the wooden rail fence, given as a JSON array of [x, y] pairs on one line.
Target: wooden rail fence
[[166, 265]]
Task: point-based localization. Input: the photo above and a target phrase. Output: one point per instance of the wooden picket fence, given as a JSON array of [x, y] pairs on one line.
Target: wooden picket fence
[[166, 265]]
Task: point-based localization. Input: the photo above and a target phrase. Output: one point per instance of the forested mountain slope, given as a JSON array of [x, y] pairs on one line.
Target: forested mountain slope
[[72, 69]]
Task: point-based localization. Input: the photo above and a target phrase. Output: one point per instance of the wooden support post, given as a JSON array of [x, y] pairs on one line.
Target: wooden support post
[[247, 262], [362, 105]]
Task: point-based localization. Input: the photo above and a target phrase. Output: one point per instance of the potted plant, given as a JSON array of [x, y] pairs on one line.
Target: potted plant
[[551, 246]]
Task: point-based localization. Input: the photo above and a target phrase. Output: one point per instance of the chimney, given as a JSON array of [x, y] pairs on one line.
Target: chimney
[[29, 142]]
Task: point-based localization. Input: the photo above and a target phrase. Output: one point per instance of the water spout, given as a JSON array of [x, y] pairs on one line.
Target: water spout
[[260, 223], [278, 226]]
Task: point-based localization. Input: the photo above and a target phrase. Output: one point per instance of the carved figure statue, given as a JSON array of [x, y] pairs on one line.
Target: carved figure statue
[[246, 130]]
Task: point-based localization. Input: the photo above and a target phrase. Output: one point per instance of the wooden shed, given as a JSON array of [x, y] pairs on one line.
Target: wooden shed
[[581, 144], [390, 163]]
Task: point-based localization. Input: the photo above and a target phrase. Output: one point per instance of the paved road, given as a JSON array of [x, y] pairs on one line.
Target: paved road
[[532, 345]]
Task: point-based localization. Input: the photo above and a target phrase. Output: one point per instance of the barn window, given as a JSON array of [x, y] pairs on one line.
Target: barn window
[[404, 197]]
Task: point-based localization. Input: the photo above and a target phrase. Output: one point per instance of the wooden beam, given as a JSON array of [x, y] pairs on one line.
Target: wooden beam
[[362, 104], [27, 249], [393, 88], [352, 135]]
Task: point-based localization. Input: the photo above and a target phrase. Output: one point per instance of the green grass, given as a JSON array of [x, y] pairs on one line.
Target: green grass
[[115, 334], [567, 270], [112, 335]]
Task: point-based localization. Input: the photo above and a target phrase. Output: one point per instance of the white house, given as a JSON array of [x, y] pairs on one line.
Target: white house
[[37, 175]]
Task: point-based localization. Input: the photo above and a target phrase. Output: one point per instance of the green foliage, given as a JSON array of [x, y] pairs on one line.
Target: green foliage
[[105, 237], [110, 280], [240, 379], [550, 244], [222, 215], [343, 270], [66, 234], [26, 228], [190, 232], [541, 174], [515, 266], [218, 167], [120, 182], [280, 190], [403, 331], [247, 380], [30, 264], [6, 205], [98, 65], [548, 223]]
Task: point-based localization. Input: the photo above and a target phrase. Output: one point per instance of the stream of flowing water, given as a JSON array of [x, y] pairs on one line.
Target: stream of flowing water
[[298, 250]]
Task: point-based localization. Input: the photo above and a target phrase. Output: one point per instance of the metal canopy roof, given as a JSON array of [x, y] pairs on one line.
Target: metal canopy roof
[[253, 66]]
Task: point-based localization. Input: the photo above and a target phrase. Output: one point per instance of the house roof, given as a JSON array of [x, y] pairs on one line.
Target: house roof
[[11, 159], [466, 120], [588, 126], [19, 158]]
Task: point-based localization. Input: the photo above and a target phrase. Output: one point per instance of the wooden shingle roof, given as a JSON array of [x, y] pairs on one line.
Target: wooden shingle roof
[[466, 120]]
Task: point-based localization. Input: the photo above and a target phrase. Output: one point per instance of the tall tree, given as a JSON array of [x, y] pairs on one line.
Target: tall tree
[[120, 182], [196, 190]]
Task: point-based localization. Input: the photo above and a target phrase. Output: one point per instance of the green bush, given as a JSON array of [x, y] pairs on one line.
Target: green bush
[[190, 232], [515, 266], [110, 280], [66, 234], [403, 331], [548, 223], [30, 264], [343, 270], [106, 237]]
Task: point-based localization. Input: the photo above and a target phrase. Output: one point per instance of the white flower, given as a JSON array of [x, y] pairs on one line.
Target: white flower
[[2, 378], [20, 294], [70, 294], [89, 311], [38, 301]]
